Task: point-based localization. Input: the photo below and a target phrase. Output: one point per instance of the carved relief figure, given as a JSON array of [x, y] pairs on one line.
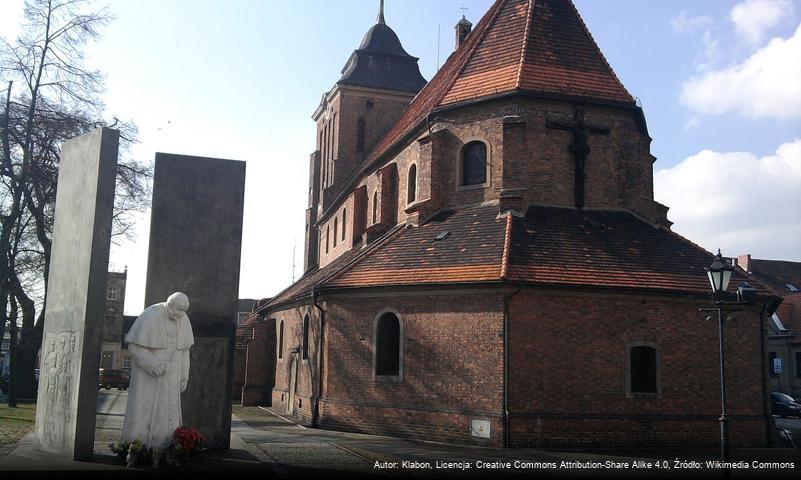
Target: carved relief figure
[[158, 342]]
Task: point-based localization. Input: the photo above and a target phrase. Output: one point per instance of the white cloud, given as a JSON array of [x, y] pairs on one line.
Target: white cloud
[[768, 84], [737, 201], [752, 18], [683, 23]]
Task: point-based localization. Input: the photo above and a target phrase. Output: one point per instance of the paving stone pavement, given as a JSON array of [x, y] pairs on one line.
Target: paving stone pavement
[[267, 444]]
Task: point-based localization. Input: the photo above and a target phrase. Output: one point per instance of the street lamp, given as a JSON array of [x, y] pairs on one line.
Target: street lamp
[[719, 274]]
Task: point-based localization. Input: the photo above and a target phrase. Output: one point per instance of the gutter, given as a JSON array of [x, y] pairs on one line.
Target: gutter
[[506, 430], [316, 407]]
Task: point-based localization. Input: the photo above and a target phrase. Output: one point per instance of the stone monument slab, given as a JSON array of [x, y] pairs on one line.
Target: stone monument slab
[[67, 397], [195, 243]]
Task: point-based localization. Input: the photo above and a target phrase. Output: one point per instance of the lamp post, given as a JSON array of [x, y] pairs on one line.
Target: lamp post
[[719, 274]]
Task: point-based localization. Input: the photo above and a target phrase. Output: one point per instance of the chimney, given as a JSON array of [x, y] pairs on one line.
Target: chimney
[[463, 29], [744, 262]]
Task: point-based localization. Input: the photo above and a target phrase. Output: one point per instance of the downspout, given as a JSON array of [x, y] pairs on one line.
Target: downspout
[[506, 430], [316, 408]]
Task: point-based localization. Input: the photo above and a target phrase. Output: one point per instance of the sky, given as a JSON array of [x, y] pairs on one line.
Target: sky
[[719, 81]]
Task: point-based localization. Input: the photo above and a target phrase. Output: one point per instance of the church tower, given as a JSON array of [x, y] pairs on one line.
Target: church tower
[[378, 81]]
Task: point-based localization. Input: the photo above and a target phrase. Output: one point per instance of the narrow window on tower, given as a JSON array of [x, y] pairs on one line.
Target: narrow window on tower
[[336, 228], [643, 370], [327, 229], [281, 340], [360, 135], [474, 164], [305, 349], [387, 346], [344, 220], [375, 207], [411, 190]]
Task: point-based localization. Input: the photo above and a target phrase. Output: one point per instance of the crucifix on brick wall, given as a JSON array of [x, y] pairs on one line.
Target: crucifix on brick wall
[[580, 147]]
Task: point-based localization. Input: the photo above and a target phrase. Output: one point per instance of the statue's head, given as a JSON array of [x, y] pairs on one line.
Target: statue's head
[[177, 305]]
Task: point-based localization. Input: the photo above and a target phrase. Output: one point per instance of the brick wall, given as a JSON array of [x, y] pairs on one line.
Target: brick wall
[[576, 393], [260, 365]]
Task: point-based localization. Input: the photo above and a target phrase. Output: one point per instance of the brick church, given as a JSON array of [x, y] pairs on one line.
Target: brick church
[[485, 262]]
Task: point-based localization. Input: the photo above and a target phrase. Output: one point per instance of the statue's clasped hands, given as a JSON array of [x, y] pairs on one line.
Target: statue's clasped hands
[[159, 369]]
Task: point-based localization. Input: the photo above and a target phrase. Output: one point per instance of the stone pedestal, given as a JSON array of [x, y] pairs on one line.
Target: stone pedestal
[[195, 242], [67, 397]]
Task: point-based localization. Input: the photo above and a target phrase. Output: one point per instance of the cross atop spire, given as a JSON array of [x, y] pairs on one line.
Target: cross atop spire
[[380, 18]]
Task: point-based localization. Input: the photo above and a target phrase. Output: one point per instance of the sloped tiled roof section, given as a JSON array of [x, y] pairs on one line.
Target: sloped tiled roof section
[[303, 286], [777, 273], [789, 312], [538, 46], [453, 247], [549, 246], [563, 246]]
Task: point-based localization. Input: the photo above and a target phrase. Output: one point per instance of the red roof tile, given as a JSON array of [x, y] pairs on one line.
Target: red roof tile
[[539, 46]]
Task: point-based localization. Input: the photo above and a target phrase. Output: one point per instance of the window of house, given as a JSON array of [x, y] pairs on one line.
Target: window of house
[[388, 345], [327, 229], [281, 340], [344, 219], [771, 364], [126, 362], [643, 370], [305, 351], [360, 135], [474, 163], [411, 190], [111, 294], [375, 207], [336, 228]]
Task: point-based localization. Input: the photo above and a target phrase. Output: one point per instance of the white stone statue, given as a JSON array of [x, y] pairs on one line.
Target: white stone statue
[[158, 343]]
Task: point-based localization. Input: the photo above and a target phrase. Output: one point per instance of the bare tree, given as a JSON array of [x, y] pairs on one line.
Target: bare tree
[[51, 97]]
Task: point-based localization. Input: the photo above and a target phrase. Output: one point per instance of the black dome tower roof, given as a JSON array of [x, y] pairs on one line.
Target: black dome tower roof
[[381, 62]]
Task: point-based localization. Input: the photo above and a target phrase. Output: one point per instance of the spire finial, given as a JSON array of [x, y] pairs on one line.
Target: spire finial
[[380, 18]]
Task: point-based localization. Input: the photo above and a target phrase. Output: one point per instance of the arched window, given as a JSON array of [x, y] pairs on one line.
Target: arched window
[[336, 228], [411, 188], [305, 351], [388, 345], [474, 163], [344, 222], [643, 369], [360, 135], [375, 206], [281, 340]]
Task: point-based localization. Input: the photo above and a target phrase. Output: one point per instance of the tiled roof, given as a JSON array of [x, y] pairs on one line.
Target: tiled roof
[[789, 311], [538, 46], [549, 246], [306, 283], [607, 249], [470, 250], [777, 273]]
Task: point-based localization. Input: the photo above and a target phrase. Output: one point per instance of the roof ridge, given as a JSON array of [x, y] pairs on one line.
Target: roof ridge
[[597, 48], [507, 241], [524, 45]]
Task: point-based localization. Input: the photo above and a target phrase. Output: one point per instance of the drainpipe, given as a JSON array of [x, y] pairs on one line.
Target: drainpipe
[[316, 408], [506, 430]]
